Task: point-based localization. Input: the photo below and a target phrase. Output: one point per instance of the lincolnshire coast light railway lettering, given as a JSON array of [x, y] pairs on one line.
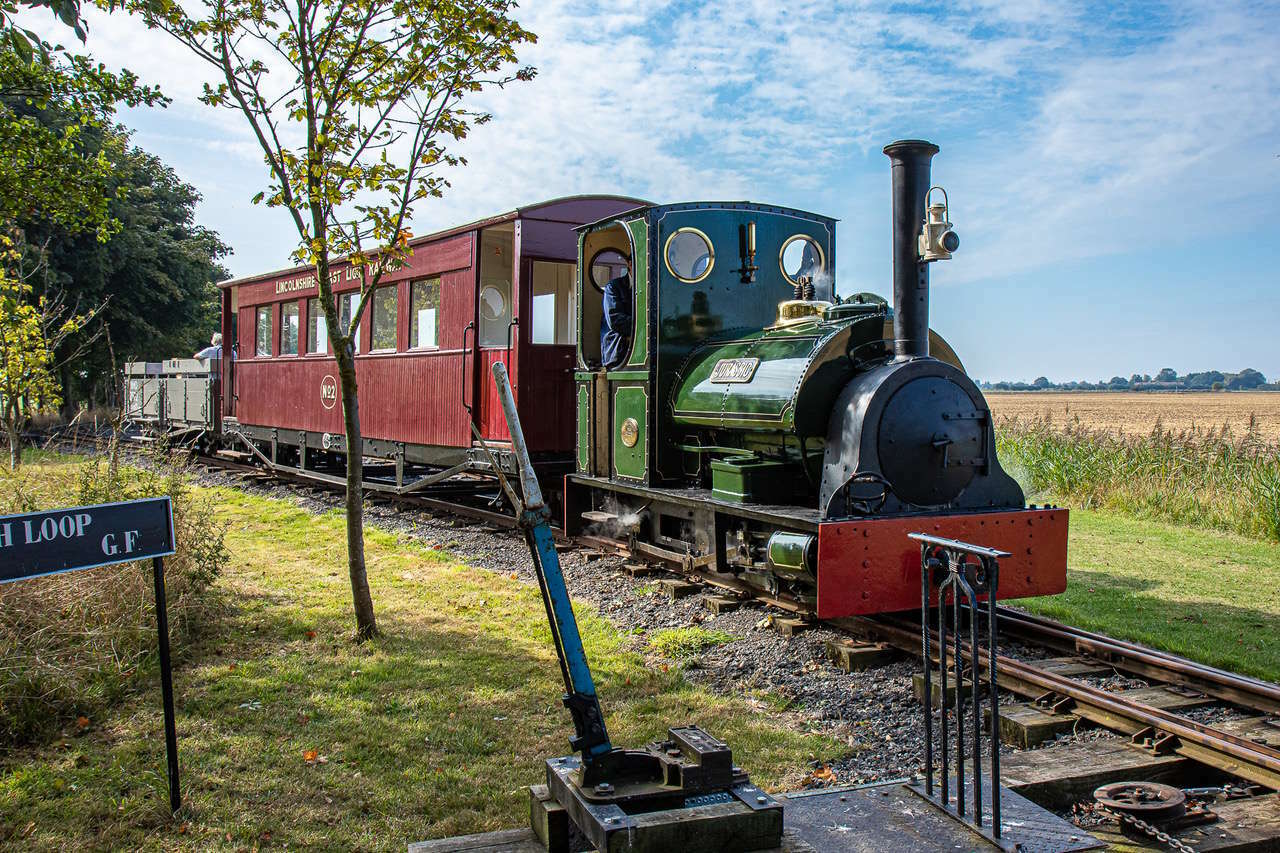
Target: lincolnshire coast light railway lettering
[[306, 282]]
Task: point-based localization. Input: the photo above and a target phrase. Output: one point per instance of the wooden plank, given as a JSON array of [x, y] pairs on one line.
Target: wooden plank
[[1073, 666], [676, 589], [1025, 725], [917, 686], [1055, 778], [718, 604], [1169, 698], [1264, 730], [701, 829], [512, 840], [549, 820], [852, 657], [641, 570], [789, 627]]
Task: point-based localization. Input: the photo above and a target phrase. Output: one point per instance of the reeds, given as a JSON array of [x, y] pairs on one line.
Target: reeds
[[1205, 477]]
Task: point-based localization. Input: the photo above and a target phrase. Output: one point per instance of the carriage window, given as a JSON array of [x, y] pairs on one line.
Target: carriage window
[[424, 313], [554, 308], [689, 255], [347, 304], [289, 328], [317, 328], [800, 256], [262, 334], [386, 305], [495, 286]]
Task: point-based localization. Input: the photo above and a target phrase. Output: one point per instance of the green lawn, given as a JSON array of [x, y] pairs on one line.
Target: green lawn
[[1211, 596], [289, 733]]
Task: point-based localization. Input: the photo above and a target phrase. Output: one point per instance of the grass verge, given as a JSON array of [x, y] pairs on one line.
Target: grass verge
[[73, 644], [1210, 596], [289, 733]]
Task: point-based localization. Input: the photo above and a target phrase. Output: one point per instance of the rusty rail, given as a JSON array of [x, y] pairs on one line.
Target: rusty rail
[[1150, 663], [1255, 762]]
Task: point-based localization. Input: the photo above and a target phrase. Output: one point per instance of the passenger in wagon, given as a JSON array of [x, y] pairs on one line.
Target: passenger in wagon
[[214, 350], [615, 326]]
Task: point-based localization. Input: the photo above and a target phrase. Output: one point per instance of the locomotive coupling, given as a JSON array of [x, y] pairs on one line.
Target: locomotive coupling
[[937, 241]]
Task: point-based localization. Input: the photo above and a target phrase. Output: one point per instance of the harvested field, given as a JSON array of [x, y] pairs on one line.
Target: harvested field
[[1137, 412]]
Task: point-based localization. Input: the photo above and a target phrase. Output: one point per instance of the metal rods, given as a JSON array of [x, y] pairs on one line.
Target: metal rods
[[959, 575]]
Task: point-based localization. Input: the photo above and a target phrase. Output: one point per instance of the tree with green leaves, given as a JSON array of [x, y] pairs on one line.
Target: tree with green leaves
[[34, 326], [27, 44], [354, 105], [159, 269], [56, 149]]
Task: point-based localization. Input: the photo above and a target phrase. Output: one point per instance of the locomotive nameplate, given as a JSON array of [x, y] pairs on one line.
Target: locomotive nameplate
[[730, 370]]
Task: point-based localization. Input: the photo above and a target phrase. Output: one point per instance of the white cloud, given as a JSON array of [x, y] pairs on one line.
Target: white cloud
[[1066, 131]]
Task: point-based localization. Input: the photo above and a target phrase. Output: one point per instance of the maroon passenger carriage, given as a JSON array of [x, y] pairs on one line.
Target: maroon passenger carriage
[[500, 289]]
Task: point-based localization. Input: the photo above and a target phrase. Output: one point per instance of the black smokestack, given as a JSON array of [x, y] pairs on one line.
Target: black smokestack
[[909, 163]]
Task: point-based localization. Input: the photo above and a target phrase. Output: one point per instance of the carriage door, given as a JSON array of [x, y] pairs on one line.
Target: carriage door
[[497, 324], [548, 345]]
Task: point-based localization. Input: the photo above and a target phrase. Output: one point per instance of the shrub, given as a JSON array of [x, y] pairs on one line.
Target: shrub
[[1205, 477], [74, 643]]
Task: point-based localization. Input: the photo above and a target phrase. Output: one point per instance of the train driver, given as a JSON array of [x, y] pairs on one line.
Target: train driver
[[615, 325]]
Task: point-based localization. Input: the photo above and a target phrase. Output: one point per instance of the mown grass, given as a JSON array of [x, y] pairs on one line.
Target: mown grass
[[1205, 478], [680, 643], [1208, 595], [290, 733]]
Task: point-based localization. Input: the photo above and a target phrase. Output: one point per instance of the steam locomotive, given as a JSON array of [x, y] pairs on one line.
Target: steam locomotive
[[758, 430]]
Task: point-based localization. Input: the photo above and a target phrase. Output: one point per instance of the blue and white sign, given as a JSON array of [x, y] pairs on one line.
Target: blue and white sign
[[84, 537]]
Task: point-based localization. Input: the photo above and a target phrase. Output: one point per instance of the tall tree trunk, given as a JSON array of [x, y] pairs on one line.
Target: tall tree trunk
[[366, 625], [13, 433]]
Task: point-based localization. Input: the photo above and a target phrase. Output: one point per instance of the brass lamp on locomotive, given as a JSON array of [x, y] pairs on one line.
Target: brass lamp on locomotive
[[767, 435]]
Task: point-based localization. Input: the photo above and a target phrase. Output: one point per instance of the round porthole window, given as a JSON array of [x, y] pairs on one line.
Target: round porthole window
[[607, 265], [800, 256], [492, 303], [689, 255]]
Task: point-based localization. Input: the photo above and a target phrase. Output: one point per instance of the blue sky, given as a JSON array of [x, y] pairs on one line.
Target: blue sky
[[1114, 170]]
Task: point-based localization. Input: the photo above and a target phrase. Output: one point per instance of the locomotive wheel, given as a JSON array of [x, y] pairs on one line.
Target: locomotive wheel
[[1146, 800]]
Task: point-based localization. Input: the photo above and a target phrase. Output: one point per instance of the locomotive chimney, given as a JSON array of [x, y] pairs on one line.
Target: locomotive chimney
[[909, 163]]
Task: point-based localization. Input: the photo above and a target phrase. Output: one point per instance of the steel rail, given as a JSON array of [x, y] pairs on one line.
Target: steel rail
[[1239, 689], [1258, 763]]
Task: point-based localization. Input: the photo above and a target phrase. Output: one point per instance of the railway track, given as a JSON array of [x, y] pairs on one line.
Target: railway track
[[1059, 693], [1247, 751]]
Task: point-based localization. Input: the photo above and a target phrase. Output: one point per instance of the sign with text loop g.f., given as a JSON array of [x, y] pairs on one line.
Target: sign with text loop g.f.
[[84, 537]]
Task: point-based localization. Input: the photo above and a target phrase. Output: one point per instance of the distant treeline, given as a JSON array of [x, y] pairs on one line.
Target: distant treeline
[[1166, 380]]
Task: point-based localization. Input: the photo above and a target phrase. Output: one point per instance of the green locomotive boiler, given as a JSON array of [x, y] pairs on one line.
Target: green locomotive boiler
[[766, 435]]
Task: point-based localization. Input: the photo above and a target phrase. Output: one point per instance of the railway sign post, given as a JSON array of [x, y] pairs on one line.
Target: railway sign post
[[86, 537]]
